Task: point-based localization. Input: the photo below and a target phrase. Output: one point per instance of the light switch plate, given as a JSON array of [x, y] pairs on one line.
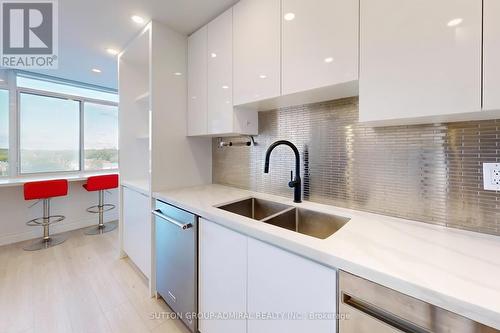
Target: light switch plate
[[491, 176]]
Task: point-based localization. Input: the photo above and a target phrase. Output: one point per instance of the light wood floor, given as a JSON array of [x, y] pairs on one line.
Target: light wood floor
[[78, 286]]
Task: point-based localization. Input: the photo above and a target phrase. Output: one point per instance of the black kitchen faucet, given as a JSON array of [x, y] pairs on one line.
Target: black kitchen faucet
[[295, 183]]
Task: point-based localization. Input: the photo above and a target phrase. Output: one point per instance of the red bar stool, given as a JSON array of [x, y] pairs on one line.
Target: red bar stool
[[101, 183], [45, 190]]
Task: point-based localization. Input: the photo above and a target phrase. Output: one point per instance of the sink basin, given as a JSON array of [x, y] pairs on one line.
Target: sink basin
[[308, 222], [304, 221], [254, 208]]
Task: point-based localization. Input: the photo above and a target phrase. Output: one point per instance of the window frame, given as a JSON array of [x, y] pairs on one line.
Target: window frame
[[82, 101], [4, 86], [82, 135]]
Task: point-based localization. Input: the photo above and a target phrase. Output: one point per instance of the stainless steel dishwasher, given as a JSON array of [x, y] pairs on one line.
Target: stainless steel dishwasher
[[366, 307], [177, 260]]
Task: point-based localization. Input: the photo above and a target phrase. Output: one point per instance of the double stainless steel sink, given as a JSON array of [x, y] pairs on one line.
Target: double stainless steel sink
[[304, 221]]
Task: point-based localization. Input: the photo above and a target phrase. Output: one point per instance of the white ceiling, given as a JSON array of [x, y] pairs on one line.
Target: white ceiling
[[88, 27]]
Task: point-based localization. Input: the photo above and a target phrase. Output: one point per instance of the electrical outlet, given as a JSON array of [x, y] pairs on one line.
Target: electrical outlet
[[491, 176]]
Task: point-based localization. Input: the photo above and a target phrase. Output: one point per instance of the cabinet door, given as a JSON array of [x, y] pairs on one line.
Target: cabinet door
[[197, 83], [222, 277], [320, 43], [220, 74], [136, 223], [419, 58], [491, 55], [256, 50], [280, 282]]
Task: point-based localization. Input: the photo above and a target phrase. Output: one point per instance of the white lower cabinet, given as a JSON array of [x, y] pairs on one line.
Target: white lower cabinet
[[222, 281], [283, 284], [279, 291], [136, 226]]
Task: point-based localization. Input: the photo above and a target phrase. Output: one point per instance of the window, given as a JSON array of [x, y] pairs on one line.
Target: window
[[49, 134], [66, 89], [4, 132], [65, 127], [101, 136]]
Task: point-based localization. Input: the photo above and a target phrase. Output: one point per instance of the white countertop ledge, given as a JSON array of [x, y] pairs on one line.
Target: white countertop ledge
[[71, 177], [137, 185], [454, 269]]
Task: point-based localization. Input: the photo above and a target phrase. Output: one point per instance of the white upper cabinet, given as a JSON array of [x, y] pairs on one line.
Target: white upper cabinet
[[210, 99], [197, 83], [256, 50], [419, 59], [320, 43], [220, 74], [491, 54]]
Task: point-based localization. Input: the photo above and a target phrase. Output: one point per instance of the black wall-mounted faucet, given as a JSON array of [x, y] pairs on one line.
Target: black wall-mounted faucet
[[295, 183]]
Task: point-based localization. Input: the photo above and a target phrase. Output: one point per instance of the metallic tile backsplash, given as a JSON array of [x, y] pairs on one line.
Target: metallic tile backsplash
[[430, 173]]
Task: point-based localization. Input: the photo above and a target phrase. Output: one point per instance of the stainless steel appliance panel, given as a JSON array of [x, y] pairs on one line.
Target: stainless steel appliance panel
[[367, 307], [176, 260]]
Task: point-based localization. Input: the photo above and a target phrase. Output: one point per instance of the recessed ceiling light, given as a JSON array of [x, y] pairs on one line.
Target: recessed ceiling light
[[137, 19], [263, 76], [225, 87], [112, 51], [289, 16], [328, 60], [96, 70], [213, 55], [177, 73], [2, 80], [455, 22]]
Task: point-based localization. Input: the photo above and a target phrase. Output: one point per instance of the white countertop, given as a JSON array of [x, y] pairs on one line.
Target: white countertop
[[71, 177], [138, 185], [453, 269]]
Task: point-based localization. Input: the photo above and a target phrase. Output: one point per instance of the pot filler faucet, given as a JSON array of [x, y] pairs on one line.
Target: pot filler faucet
[[295, 183]]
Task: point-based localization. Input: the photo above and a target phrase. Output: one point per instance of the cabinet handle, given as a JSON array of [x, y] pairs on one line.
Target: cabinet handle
[[172, 296], [384, 316], [158, 213]]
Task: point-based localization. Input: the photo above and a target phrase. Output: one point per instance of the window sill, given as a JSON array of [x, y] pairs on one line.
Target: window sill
[[71, 177]]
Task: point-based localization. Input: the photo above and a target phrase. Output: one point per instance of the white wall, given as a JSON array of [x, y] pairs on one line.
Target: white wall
[[15, 212]]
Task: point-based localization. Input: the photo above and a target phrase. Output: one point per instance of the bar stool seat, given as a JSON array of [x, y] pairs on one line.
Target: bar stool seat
[[101, 184], [45, 191]]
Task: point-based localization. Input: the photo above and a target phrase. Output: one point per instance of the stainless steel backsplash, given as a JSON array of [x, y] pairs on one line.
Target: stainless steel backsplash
[[430, 173]]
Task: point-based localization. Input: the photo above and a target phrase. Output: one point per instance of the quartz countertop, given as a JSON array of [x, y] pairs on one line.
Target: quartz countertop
[[454, 269], [71, 177], [138, 185]]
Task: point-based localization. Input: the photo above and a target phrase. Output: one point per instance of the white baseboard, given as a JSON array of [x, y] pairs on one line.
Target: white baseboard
[[54, 229]]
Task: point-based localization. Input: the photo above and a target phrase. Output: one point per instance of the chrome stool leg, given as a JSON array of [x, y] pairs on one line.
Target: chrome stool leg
[[47, 240], [102, 227], [46, 214]]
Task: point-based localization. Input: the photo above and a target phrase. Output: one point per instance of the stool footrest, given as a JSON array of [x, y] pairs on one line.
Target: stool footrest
[[40, 221], [95, 209]]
